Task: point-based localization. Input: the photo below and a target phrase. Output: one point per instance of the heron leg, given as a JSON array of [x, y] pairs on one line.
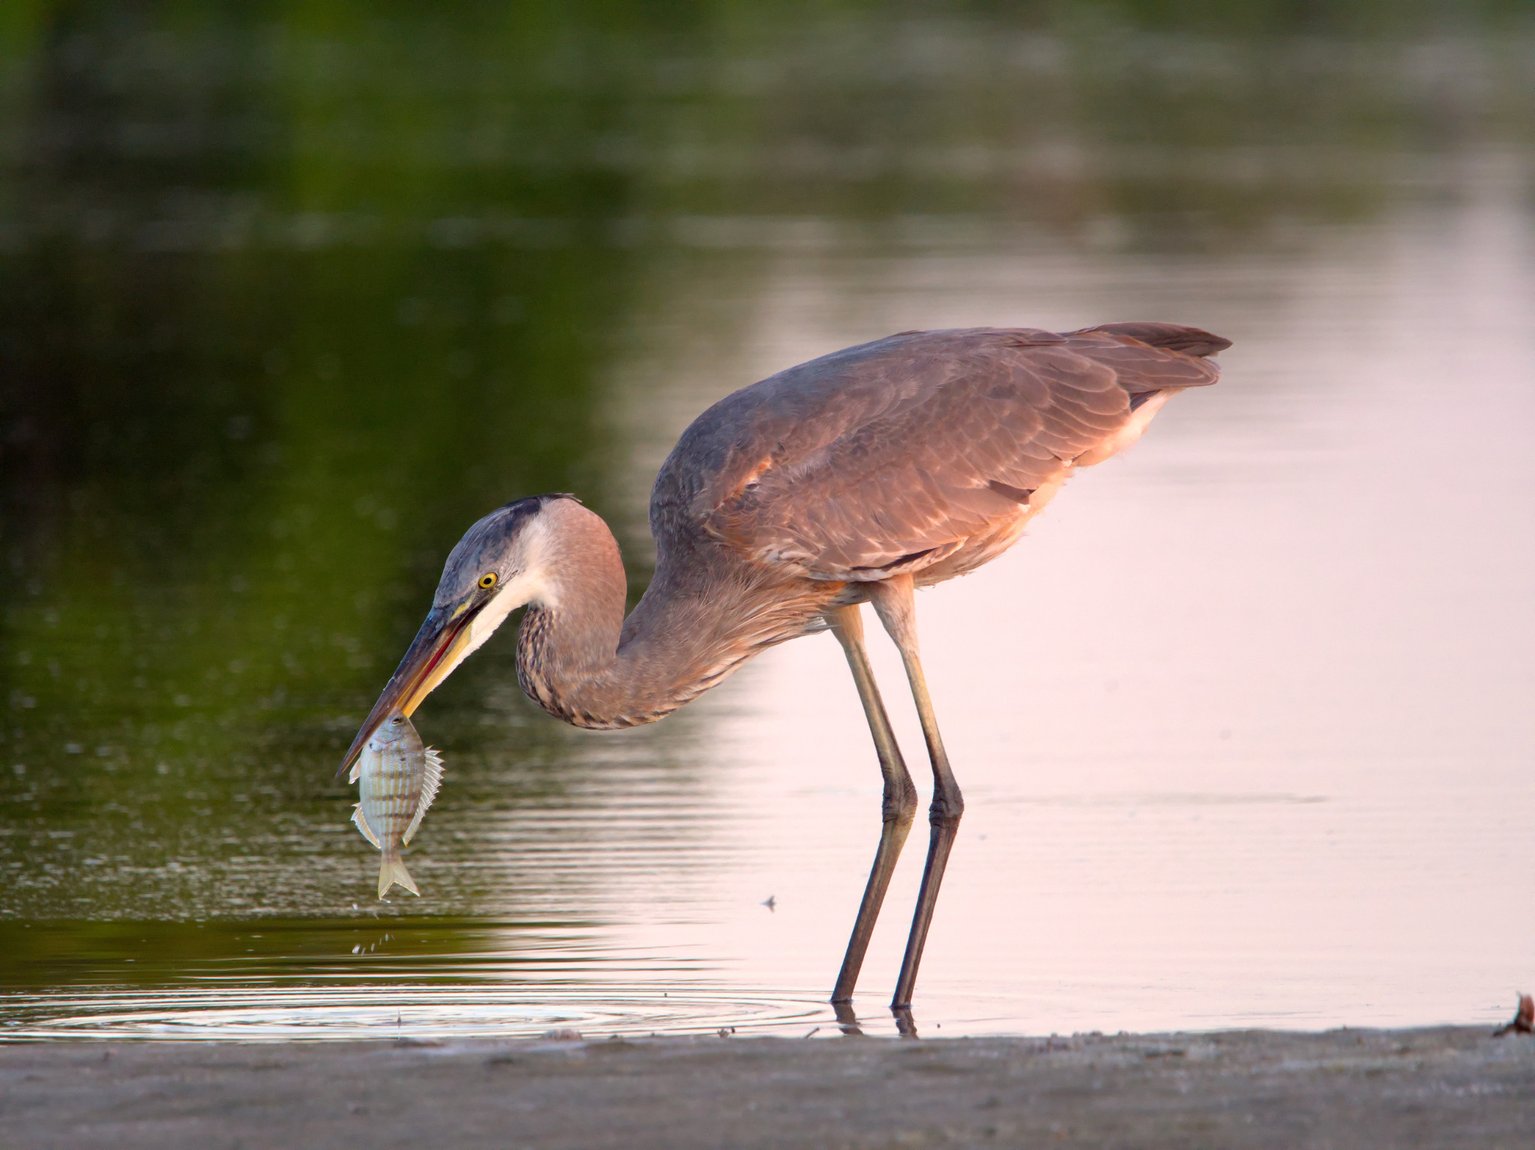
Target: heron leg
[[900, 799], [893, 602]]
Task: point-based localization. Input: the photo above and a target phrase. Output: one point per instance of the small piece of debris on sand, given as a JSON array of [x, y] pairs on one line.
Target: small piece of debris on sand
[[1524, 1019]]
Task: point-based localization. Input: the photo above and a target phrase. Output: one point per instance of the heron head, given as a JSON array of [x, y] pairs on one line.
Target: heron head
[[495, 568]]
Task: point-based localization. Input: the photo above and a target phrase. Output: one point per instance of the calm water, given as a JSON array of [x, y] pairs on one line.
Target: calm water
[[1244, 725]]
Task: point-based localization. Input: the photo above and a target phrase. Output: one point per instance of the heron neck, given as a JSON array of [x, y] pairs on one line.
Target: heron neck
[[579, 659]]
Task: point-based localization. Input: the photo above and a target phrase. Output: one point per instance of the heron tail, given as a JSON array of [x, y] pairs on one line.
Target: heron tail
[[1173, 336]]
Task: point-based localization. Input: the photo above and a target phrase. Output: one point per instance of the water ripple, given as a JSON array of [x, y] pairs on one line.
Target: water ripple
[[457, 1011]]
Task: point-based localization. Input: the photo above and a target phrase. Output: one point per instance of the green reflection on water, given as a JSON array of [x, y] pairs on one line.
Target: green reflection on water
[[38, 955], [285, 304]]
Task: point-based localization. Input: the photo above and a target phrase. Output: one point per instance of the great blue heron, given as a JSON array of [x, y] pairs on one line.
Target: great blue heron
[[854, 478]]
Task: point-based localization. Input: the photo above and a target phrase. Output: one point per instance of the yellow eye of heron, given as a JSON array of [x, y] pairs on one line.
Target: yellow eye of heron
[[487, 580]]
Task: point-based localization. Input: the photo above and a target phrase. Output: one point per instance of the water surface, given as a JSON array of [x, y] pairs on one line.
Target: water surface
[[1243, 724]]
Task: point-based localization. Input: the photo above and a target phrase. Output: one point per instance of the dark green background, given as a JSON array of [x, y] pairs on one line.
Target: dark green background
[[290, 294]]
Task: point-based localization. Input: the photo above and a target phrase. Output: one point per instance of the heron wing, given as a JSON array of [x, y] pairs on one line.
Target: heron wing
[[890, 456]]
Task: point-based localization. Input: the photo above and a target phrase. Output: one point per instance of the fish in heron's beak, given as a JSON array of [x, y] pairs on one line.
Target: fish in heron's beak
[[397, 778], [438, 647]]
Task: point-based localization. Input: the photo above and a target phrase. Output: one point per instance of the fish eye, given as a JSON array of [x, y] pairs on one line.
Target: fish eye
[[487, 580]]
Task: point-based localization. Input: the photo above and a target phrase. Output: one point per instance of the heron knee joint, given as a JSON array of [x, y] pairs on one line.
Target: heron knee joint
[[946, 809], [900, 804]]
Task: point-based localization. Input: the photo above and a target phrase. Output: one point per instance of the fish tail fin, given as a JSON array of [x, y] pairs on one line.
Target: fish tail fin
[[391, 871]]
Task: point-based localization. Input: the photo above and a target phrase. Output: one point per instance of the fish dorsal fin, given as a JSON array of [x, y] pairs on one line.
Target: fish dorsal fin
[[362, 824], [431, 780]]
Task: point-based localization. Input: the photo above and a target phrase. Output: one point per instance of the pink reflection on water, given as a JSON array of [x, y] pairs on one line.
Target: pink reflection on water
[[1244, 724]]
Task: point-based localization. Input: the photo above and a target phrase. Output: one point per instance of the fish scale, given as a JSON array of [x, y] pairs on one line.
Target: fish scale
[[397, 779]]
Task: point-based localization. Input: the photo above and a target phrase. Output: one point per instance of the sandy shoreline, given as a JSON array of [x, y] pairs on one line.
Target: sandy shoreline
[[1437, 1087]]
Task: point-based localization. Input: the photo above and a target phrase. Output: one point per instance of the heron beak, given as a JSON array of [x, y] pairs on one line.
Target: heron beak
[[432, 654]]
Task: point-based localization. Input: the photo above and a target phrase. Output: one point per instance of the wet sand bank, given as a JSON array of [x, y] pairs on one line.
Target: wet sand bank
[[1357, 1089]]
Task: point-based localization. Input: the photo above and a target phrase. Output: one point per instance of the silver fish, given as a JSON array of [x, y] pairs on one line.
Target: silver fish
[[397, 780]]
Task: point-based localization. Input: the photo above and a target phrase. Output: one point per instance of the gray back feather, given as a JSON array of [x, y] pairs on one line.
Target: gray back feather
[[871, 455]]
